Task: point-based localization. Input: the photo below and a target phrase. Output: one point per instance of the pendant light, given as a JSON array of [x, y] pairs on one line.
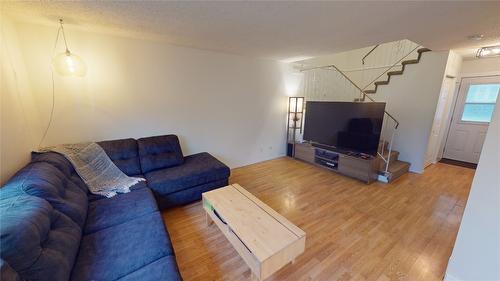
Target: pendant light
[[67, 63]]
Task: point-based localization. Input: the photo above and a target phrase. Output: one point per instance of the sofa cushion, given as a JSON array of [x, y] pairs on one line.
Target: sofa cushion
[[125, 154], [117, 251], [187, 196], [60, 162], [38, 242], [164, 269], [55, 159], [119, 209], [42, 179], [159, 152], [197, 169]]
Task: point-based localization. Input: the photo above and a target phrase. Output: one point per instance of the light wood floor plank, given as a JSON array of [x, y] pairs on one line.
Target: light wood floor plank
[[399, 231]]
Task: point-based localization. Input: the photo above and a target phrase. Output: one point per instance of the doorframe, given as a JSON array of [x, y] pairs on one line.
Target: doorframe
[[436, 155], [450, 116], [455, 100]]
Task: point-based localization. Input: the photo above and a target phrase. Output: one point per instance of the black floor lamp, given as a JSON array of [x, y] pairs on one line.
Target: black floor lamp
[[294, 122]]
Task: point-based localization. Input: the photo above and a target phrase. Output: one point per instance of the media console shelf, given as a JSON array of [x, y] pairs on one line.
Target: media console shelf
[[360, 167]]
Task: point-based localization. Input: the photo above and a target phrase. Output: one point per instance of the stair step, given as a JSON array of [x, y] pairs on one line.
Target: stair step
[[382, 82], [423, 50], [393, 158], [397, 169], [398, 72], [409, 62]]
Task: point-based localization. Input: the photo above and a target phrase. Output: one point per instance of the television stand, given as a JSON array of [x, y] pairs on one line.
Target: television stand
[[355, 165]]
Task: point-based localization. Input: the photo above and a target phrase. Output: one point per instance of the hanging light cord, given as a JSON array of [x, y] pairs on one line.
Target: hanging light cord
[[53, 84], [61, 28]]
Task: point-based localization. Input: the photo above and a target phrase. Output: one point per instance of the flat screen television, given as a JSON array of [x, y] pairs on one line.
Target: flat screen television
[[346, 126]]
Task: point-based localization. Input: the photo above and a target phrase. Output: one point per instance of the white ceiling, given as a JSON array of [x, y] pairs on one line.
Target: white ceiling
[[278, 30]]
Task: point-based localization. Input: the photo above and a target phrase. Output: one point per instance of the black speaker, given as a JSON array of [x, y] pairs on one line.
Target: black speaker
[[289, 150]]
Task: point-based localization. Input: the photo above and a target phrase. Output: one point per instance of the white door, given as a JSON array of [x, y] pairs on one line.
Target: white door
[[473, 111], [440, 119]]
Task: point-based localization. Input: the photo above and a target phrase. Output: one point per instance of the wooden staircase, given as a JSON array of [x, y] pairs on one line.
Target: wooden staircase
[[397, 72], [397, 168]]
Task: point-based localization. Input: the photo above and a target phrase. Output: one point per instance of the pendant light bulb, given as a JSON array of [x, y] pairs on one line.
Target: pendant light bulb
[[67, 63]]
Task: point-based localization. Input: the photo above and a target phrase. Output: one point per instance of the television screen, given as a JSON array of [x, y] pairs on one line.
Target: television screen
[[348, 126]]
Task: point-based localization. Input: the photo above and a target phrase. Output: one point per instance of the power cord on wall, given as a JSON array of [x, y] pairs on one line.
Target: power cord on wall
[[51, 111], [53, 86]]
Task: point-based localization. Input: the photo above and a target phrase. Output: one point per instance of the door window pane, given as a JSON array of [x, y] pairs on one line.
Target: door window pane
[[478, 112], [486, 93], [480, 102]]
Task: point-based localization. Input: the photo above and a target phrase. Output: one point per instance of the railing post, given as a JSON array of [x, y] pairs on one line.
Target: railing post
[[389, 152]]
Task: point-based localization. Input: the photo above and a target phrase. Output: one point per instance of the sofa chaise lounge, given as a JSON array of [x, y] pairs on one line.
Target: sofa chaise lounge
[[52, 228]]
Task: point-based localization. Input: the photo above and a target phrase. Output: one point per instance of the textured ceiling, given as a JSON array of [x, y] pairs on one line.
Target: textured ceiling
[[277, 30]]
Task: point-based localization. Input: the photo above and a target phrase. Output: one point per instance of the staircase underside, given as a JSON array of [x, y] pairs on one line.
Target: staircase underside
[[396, 72]]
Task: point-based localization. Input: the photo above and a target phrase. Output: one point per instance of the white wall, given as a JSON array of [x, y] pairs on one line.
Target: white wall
[[480, 67], [231, 106], [19, 124], [476, 255]]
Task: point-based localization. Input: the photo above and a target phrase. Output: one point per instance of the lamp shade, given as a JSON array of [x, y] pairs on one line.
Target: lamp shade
[[69, 64]]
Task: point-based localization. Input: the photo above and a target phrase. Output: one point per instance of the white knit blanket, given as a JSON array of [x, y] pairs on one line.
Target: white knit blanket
[[95, 168]]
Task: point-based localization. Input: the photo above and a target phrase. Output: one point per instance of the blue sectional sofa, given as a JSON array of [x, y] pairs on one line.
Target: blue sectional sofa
[[52, 228]]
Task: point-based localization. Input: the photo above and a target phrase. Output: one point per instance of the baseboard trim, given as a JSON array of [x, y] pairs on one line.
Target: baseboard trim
[[458, 163], [449, 277]]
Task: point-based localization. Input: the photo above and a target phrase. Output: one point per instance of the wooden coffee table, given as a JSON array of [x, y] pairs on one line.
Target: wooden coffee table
[[263, 238]]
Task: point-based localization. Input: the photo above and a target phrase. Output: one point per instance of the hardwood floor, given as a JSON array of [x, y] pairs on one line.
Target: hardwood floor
[[399, 231]]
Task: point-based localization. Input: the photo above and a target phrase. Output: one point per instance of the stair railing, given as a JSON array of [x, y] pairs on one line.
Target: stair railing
[[367, 54], [381, 151], [362, 92]]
